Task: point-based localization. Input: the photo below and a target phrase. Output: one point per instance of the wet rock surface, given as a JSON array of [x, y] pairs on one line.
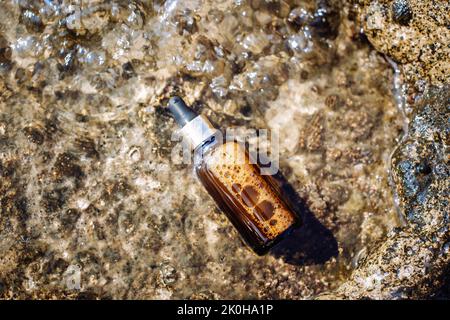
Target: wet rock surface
[[93, 205], [420, 162], [421, 165], [413, 33], [403, 266]]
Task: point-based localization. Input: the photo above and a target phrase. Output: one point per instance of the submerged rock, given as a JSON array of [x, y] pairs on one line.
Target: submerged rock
[[412, 262]]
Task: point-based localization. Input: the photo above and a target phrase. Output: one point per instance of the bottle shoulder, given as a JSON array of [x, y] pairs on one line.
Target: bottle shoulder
[[208, 150]]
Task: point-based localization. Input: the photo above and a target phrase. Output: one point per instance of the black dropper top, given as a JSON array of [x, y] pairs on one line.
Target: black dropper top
[[180, 111]]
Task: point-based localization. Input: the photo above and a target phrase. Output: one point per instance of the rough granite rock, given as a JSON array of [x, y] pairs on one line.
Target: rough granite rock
[[421, 169], [412, 262]]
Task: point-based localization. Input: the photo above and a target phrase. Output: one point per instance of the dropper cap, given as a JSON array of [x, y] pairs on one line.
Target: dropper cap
[[180, 111], [196, 129]]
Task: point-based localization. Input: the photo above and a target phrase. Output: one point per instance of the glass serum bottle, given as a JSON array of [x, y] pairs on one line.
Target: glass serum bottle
[[251, 201]]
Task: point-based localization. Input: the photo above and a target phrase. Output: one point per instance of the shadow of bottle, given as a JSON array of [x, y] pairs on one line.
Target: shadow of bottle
[[311, 242]]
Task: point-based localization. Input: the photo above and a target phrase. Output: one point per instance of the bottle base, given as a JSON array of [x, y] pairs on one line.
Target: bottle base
[[265, 249]]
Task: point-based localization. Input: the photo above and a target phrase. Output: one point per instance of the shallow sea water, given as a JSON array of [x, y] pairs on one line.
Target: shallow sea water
[[85, 145]]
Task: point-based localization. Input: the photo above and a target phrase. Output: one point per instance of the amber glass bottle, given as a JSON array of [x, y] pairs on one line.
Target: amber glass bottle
[[250, 200]]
